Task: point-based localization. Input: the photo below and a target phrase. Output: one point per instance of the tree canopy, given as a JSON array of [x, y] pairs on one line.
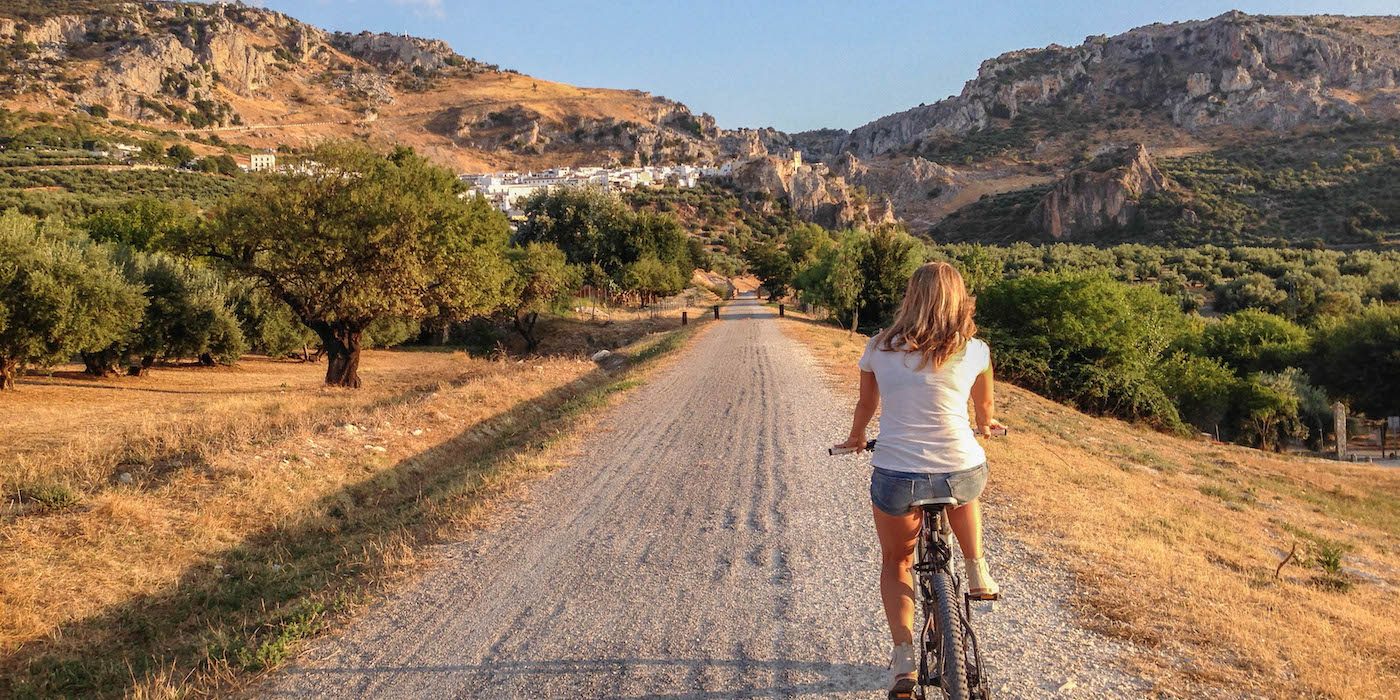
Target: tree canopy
[[542, 278], [1084, 338], [596, 230], [1359, 358], [363, 236], [58, 297]]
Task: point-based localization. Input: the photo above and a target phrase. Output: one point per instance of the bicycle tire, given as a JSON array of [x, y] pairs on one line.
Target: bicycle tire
[[953, 674]]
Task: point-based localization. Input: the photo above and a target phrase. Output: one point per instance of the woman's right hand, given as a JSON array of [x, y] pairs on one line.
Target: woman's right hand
[[993, 424], [855, 442]]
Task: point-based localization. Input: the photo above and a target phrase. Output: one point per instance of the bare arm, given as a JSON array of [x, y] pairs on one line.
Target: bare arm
[[865, 410], [983, 403]]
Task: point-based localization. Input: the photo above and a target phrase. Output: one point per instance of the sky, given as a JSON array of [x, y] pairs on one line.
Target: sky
[[786, 64]]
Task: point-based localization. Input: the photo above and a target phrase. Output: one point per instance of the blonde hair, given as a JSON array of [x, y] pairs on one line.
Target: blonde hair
[[935, 318]]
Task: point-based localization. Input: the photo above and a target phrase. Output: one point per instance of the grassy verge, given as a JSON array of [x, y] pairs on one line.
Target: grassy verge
[[195, 577], [1174, 546]]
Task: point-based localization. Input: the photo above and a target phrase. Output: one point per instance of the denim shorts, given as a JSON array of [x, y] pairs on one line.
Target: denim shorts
[[893, 492]]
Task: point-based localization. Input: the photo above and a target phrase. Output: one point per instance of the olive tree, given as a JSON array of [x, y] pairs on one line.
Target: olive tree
[[835, 280], [189, 313], [58, 297], [595, 228], [542, 277], [363, 236], [1359, 359], [268, 323]]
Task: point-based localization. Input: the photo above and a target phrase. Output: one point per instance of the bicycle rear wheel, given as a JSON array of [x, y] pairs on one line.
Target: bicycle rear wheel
[[947, 625]]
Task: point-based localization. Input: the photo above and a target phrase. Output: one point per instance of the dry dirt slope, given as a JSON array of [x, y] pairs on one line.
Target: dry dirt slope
[[1173, 546]]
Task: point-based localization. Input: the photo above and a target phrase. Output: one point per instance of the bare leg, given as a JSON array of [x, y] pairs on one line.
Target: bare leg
[[898, 535], [967, 526]]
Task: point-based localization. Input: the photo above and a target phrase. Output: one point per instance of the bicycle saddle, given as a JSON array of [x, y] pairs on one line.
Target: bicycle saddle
[[940, 501]]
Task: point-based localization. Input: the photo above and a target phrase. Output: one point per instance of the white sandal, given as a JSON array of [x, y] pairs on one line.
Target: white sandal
[[902, 676], [980, 584]]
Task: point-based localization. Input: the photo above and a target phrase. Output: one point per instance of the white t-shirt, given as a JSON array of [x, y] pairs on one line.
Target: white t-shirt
[[924, 427]]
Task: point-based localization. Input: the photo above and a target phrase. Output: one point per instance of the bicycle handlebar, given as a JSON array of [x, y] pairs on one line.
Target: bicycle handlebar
[[833, 451], [870, 444]]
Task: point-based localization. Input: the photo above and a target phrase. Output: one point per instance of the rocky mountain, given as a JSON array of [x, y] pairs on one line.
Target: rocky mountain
[[1178, 88], [813, 190], [258, 78], [1235, 71], [263, 79]]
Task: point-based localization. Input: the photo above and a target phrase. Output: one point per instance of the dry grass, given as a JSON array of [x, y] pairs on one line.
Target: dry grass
[[261, 508], [1174, 545]]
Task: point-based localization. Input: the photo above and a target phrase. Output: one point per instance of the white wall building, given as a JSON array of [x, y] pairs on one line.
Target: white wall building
[[262, 162]]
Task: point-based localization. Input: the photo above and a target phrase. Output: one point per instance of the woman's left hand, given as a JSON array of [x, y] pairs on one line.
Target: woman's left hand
[[858, 443]]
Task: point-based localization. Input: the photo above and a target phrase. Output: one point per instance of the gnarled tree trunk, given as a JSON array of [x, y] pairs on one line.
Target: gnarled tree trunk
[[102, 363], [9, 369], [341, 343], [140, 370], [525, 326]]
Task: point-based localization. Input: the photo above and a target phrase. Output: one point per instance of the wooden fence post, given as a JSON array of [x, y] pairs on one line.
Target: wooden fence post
[[1339, 426]]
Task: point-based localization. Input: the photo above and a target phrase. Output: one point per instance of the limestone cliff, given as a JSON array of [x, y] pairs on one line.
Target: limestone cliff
[[814, 192], [1102, 195], [1235, 70]]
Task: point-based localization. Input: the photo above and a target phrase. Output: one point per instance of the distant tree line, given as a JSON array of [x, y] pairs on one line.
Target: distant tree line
[[371, 249], [1115, 331]]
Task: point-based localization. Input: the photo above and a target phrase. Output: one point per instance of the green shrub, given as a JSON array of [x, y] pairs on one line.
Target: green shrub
[[1085, 339]]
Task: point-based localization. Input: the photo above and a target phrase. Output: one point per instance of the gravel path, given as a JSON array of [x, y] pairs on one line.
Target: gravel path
[[702, 546]]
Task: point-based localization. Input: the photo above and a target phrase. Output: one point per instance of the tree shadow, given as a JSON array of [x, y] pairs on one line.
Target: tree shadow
[[831, 677], [246, 604]]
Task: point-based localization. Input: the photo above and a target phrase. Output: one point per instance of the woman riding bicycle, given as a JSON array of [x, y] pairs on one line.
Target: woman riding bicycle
[[925, 367]]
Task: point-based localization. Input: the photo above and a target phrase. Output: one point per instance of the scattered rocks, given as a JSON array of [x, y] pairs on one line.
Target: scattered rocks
[[362, 85]]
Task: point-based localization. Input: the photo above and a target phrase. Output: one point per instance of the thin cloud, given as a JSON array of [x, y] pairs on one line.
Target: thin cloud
[[424, 8]]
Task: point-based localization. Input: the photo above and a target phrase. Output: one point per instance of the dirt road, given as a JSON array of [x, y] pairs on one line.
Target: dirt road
[[702, 545]]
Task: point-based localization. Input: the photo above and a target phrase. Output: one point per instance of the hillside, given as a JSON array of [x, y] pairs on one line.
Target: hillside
[[1332, 187], [259, 78]]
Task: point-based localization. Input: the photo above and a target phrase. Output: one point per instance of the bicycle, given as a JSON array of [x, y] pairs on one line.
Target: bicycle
[[950, 662]]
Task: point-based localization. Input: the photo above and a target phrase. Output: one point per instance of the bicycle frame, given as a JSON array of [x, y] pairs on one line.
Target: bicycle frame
[[934, 555]]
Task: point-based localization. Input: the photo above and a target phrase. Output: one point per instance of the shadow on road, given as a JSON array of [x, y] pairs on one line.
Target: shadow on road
[[831, 677], [245, 605]]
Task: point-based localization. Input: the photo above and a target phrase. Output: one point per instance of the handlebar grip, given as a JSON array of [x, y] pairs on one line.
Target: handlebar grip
[[833, 451]]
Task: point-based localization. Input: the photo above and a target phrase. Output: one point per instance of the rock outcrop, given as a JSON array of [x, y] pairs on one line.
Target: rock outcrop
[[1099, 196], [395, 51], [813, 191]]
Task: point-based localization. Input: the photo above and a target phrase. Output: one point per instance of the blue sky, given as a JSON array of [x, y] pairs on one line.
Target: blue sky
[[789, 65]]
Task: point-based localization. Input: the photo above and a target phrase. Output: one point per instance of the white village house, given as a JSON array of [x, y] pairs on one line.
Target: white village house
[[506, 190], [262, 162]]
